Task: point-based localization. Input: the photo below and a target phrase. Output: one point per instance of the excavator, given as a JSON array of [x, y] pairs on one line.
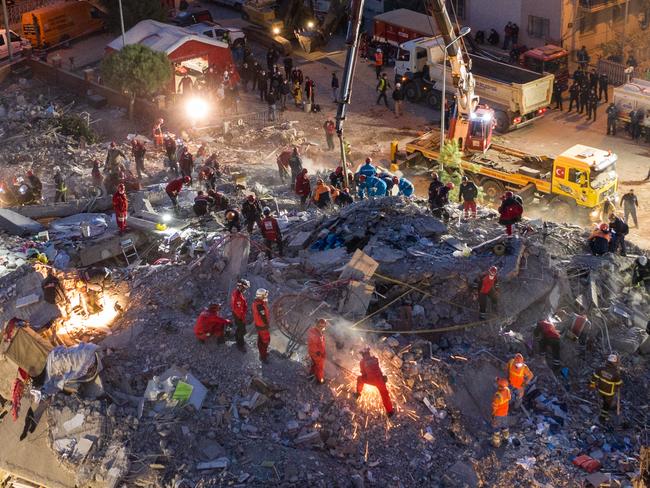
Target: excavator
[[281, 21]]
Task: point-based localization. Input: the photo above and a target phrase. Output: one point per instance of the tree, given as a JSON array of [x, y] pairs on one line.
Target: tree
[[136, 70], [450, 155], [134, 11]]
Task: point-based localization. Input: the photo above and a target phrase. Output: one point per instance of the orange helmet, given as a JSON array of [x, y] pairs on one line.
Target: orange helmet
[[502, 382], [604, 227]]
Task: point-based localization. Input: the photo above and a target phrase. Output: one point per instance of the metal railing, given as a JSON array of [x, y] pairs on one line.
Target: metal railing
[[616, 72], [599, 4]]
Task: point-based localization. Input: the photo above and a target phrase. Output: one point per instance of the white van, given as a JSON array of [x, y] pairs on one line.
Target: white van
[[18, 44]]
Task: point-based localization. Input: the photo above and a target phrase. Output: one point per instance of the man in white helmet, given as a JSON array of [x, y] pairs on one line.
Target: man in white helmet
[[607, 380], [262, 320], [641, 273], [398, 99]]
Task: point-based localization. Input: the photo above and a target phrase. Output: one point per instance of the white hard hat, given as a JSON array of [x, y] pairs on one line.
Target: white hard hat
[[244, 283], [378, 50], [398, 85], [261, 293], [56, 169], [642, 260], [612, 358]]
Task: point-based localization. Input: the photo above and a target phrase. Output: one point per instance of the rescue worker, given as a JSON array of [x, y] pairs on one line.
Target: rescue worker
[[120, 207], [233, 220], [630, 203], [608, 381], [157, 133], [316, 350], [467, 193], [251, 209], [636, 117], [98, 277], [510, 211], [271, 232], [343, 197], [53, 291], [584, 98], [382, 87], [519, 376], [441, 199], [91, 284], [612, 118], [618, 229], [371, 374], [111, 162], [262, 319], [218, 201], [603, 84], [379, 62], [60, 188], [239, 309], [283, 165], [404, 186], [592, 105], [303, 187], [96, 175], [322, 195], [371, 186], [330, 131], [574, 96], [547, 341], [170, 149], [174, 187], [434, 186], [211, 324], [368, 169], [557, 94], [500, 404], [208, 176], [337, 178], [388, 179], [599, 240], [186, 162], [487, 289], [138, 152], [295, 163], [201, 204], [641, 273], [35, 185]]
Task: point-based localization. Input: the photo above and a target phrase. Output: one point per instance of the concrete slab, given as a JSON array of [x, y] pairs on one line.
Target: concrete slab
[[17, 224], [66, 209], [107, 247], [354, 304], [360, 267]]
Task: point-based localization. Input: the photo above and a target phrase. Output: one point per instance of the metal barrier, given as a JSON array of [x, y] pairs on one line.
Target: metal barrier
[[616, 72], [254, 118]]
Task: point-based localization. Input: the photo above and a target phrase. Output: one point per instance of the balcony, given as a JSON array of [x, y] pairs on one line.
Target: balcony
[[593, 6]]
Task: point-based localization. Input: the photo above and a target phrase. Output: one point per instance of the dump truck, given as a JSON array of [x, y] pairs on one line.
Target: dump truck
[[634, 95], [518, 96], [574, 184], [548, 59]]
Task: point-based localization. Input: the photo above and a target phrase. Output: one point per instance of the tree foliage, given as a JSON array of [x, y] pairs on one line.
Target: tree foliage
[[134, 11], [450, 155], [136, 69]]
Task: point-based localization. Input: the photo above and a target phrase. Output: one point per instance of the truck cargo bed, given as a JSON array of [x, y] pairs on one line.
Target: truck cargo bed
[[504, 73]]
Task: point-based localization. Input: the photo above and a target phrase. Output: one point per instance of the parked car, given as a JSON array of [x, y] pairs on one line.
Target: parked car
[[236, 36], [187, 18], [18, 44]]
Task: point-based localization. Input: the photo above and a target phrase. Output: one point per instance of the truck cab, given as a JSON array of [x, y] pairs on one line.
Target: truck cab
[[548, 59], [586, 175], [18, 44]]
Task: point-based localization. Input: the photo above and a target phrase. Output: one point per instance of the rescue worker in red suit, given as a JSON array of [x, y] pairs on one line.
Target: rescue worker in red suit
[[174, 187], [547, 341], [120, 207], [96, 174], [262, 319], [210, 324], [487, 289], [510, 211], [271, 232], [316, 350], [239, 308], [371, 374], [186, 163], [303, 187]]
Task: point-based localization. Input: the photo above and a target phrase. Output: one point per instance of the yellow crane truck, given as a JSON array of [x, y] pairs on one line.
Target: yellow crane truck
[[575, 184]]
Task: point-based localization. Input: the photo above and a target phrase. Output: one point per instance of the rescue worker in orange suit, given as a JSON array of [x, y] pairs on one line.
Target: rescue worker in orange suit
[[211, 324], [322, 195], [510, 211], [174, 187], [158, 132], [379, 62], [303, 187], [239, 308], [271, 232], [599, 240], [371, 374], [316, 349], [500, 403], [120, 207], [547, 341], [262, 319], [487, 290], [519, 375], [608, 381]]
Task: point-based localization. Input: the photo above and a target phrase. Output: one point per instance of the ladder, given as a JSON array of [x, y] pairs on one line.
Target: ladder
[[129, 251]]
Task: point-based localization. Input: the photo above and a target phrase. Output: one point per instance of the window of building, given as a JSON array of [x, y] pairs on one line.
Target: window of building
[[457, 7], [538, 27], [587, 22]]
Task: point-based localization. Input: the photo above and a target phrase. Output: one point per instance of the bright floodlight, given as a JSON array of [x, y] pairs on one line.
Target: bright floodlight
[[197, 108], [310, 24], [276, 30], [166, 218]]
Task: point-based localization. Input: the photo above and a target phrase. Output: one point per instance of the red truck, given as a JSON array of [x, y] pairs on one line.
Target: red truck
[[401, 25]]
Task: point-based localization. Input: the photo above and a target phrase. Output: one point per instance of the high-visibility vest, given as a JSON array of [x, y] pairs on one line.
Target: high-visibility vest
[[516, 375], [500, 403]]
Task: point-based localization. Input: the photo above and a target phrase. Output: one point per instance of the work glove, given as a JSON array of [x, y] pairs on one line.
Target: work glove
[[385, 378]]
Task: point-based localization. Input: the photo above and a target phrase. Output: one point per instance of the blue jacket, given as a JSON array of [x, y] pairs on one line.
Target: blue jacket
[[373, 186], [405, 187], [368, 170]]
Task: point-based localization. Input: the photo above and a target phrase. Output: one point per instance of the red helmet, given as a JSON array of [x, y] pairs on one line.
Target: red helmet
[[362, 177], [30, 172], [395, 180], [508, 194], [214, 307], [493, 270], [121, 188], [339, 170], [187, 179], [368, 160], [604, 227], [450, 185], [113, 144], [251, 198], [502, 382]]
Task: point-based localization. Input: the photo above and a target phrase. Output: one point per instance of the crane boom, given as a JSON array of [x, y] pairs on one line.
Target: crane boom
[[352, 43]]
